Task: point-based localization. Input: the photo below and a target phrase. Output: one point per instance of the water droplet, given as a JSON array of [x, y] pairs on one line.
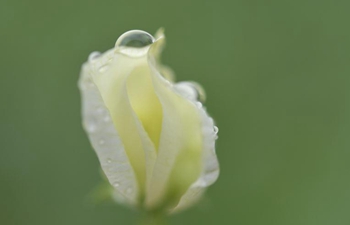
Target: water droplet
[[196, 90], [101, 142], [134, 43], [93, 56], [191, 90], [116, 184], [200, 91], [199, 104], [100, 110], [129, 190], [103, 113], [106, 118], [216, 129], [109, 161], [103, 68], [135, 39], [89, 84], [91, 127]]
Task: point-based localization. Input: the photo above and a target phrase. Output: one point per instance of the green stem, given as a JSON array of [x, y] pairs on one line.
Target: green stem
[[152, 218]]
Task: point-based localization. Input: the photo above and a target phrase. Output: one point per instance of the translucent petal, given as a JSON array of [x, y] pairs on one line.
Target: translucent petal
[[120, 91], [201, 124], [105, 139], [210, 164], [191, 90], [178, 162]]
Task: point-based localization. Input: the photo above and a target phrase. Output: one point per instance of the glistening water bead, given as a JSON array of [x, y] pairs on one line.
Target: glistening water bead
[[135, 39], [134, 43], [216, 129]]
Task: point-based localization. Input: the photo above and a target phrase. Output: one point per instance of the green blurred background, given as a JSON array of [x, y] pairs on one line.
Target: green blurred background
[[277, 79]]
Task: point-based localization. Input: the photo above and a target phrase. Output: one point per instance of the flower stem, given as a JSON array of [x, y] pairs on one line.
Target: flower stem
[[152, 218]]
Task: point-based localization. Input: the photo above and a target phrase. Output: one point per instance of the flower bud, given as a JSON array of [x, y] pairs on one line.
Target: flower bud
[[153, 138]]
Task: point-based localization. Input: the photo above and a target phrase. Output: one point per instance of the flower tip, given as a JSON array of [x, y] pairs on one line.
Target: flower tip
[[159, 33]]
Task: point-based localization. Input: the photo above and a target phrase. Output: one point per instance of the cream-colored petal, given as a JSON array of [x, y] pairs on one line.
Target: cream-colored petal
[[178, 162], [120, 84], [210, 164], [157, 49], [145, 103], [149, 112], [105, 139], [195, 121]]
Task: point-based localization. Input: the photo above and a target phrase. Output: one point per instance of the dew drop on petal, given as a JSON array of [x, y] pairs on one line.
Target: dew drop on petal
[[101, 142], [200, 93], [129, 190], [93, 56], [90, 127], [216, 129], [191, 90], [135, 39], [89, 84], [103, 68], [116, 184], [199, 104], [100, 110], [134, 43], [109, 161]]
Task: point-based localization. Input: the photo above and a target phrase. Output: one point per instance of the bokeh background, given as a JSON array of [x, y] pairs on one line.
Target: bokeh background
[[277, 76]]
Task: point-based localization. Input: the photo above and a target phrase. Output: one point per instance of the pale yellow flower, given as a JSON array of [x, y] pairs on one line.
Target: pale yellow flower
[[154, 139]]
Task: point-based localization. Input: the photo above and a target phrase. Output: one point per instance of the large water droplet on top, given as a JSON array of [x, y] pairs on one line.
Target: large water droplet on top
[[134, 43], [135, 39]]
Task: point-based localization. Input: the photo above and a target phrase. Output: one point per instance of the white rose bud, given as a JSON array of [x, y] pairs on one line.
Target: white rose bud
[[154, 139]]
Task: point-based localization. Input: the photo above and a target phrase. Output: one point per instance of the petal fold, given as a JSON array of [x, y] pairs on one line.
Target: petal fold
[[106, 140]]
